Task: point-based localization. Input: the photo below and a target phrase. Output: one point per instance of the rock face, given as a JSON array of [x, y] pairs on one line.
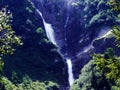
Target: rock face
[[77, 24], [98, 45]]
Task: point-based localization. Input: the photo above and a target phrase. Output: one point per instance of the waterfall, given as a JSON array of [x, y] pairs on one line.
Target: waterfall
[[48, 28], [50, 34], [68, 60], [70, 79]]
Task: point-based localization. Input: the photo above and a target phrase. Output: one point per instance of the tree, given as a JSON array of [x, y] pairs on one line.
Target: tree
[[109, 66], [8, 39], [108, 63], [116, 32]]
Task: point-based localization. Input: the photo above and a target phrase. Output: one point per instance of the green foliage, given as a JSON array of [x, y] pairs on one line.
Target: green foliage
[[14, 77], [7, 36], [1, 64], [51, 85], [84, 80], [109, 65], [109, 53], [115, 4], [90, 79], [95, 12], [6, 84], [116, 32], [40, 31], [27, 84]]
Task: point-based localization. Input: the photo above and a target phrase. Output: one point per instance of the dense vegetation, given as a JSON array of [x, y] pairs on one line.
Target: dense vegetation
[[94, 13], [109, 65], [37, 50], [37, 64], [90, 79], [27, 84]]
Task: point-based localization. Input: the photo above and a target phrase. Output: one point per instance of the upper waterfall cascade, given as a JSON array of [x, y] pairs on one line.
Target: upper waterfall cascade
[[49, 30]]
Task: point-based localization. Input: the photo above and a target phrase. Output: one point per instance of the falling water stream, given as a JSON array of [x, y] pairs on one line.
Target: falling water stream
[[50, 34], [68, 59], [48, 28], [70, 79]]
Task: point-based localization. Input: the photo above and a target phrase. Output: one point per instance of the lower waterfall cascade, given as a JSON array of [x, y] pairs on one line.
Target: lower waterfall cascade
[[71, 78]]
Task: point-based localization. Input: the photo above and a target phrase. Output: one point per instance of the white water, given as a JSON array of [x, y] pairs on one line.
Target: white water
[[48, 28], [70, 79]]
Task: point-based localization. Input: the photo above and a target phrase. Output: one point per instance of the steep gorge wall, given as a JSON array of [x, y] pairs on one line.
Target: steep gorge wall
[[87, 21]]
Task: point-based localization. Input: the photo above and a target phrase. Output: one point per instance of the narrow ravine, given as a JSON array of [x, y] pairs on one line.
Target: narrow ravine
[[68, 60]]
